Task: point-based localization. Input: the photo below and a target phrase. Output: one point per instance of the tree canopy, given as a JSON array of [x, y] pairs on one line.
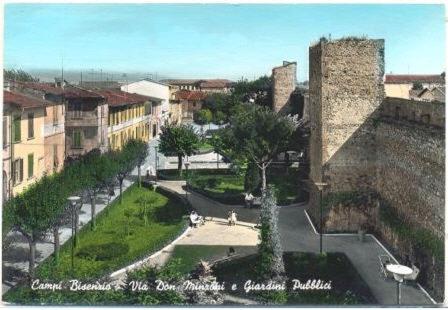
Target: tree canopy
[[18, 75], [178, 140]]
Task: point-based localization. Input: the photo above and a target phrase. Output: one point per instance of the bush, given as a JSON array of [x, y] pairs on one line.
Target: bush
[[102, 252]]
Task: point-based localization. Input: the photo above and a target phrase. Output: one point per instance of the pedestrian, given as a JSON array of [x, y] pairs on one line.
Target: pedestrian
[[233, 216], [249, 200]]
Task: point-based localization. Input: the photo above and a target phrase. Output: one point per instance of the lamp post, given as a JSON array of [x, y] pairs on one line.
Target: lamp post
[[155, 160], [399, 272], [187, 164], [73, 200], [320, 186]]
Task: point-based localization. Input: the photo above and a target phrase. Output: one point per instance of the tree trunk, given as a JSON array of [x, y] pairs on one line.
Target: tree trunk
[[93, 206], [56, 244], [121, 190], [32, 258], [139, 176], [179, 164], [263, 178]]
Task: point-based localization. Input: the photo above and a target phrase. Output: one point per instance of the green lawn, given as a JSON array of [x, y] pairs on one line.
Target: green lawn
[[205, 147], [230, 188], [121, 236], [347, 285]]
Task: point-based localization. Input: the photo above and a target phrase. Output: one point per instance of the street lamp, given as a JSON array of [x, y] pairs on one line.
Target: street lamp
[[73, 201], [320, 186], [155, 160], [399, 272], [187, 164]]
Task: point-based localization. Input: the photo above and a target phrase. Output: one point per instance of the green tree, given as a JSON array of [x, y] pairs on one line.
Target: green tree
[[258, 134], [202, 117], [178, 140], [125, 161], [219, 118], [251, 178], [18, 75], [100, 169], [271, 264], [417, 86], [33, 213], [139, 149]]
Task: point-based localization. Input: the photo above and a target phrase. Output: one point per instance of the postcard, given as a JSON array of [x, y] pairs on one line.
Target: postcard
[[223, 154]]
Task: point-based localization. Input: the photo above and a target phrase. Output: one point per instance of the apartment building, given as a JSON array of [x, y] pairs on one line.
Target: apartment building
[[23, 141], [159, 95], [129, 117]]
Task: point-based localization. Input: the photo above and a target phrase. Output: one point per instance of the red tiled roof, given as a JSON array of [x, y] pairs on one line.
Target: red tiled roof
[[189, 95], [21, 100], [217, 83], [69, 91], [120, 98], [409, 79]]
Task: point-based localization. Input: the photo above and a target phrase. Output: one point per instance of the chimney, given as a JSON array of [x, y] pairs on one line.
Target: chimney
[[57, 82]]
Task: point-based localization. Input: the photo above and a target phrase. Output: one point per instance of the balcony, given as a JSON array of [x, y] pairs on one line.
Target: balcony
[[81, 118], [128, 123]]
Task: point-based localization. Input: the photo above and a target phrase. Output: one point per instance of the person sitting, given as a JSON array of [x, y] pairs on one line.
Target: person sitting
[[229, 218], [249, 200], [194, 219]]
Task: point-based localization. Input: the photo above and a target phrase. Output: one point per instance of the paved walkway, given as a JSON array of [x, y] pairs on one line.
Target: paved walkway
[[297, 234], [214, 232]]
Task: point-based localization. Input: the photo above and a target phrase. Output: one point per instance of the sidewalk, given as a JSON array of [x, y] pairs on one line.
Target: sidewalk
[[297, 234], [15, 259]]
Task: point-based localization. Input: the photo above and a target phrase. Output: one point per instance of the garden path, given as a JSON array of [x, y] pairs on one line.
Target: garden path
[[298, 234], [213, 232]]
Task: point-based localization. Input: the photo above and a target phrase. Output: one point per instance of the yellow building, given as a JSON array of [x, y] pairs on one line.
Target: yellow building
[[129, 117], [24, 147]]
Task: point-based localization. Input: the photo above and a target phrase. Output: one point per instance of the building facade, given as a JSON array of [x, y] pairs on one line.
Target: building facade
[[159, 95], [23, 146], [400, 85], [205, 85], [129, 117]]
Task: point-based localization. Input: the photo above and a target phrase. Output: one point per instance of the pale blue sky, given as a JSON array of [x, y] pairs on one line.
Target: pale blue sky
[[211, 40]]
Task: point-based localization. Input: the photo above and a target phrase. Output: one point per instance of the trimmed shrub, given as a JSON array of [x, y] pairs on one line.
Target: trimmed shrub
[[106, 251]]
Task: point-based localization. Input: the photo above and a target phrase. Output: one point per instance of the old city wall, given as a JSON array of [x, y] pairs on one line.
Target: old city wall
[[382, 158], [411, 160], [345, 93], [284, 83]]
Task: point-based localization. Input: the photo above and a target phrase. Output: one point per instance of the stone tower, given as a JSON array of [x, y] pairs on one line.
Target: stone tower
[[346, 89], [284, 83]]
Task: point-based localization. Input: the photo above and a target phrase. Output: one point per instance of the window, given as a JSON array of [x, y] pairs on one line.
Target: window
[[30, 125], [18, 171], [5, 131], [77, 110], [77, 139], [17, 129], [30, 165]]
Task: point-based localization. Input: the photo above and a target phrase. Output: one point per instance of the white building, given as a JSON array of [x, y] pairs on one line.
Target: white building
[[159, 94]]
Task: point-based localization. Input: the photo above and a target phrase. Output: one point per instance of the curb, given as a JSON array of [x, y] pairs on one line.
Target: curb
[[141, 262]]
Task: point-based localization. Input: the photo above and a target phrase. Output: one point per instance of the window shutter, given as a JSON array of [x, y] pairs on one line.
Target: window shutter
[[21, 169], [17, 131], [30, 165]]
